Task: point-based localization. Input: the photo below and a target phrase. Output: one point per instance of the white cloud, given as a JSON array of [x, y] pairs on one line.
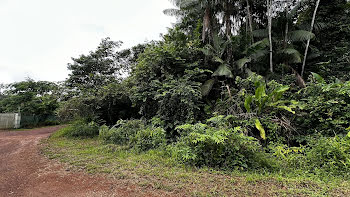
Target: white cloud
[[39, 37]]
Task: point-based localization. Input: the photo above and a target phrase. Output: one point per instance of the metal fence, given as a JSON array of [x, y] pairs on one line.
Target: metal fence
[[18, 120], [38, 120], [10, 120]]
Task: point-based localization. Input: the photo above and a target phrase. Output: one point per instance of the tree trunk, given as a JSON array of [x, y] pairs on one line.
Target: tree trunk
[[250, 20], [206, 23], [228, 24], [227, 19], [308, 41], [269, 17], [299, 80], [286, 28]]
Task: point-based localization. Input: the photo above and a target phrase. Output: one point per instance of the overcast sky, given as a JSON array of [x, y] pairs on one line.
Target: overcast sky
[[39, 37]]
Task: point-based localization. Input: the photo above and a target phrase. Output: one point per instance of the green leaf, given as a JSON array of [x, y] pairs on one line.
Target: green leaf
[[278, 93], [286, 108], [223, 70], [301, 35], [260, 128], [324, 63], [217, 59], [260, 92], [318, 78], [282, 89], [293, 55], [241, 62], [207, 86], [206, 51], [262, 44], [247, 102]]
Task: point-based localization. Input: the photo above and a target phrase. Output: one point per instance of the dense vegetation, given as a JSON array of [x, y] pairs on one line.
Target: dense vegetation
[[37, 101], [233, 85]]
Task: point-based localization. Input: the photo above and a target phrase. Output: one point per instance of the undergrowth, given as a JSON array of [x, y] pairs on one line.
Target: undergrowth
[[156, 169]]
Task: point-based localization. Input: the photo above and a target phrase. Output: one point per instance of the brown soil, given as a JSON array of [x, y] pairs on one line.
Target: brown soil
[[25, 172]]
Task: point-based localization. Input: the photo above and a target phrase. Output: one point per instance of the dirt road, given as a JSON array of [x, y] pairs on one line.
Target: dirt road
[[24, 172]]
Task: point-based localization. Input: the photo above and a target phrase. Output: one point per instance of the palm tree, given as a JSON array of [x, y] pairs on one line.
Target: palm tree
[[308, 41], [210, 10], [206, 7], [216, 52]]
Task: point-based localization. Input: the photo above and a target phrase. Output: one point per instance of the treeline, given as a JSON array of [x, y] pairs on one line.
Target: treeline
[[234, 84], [36, 101]]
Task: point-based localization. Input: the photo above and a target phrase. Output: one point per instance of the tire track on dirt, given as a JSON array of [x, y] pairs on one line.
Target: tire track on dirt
[[24, 172]]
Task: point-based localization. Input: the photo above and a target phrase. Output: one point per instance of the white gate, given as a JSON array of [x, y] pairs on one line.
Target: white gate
[[10, 120]]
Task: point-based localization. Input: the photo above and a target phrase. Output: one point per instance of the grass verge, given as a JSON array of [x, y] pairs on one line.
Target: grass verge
[[154, 169]]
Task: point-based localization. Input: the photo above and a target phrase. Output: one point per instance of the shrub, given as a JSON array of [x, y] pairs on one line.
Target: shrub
[[148, 138], [201, 144], [82, 129], [288, 158], [329, 155], [122, 132], [104, 133], [327, 107], [261, 108], [323, 156], [179, 101], [135, 134]]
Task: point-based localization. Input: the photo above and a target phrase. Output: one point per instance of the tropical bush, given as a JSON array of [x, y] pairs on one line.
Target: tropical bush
[[134, 134], [327, 107], [324, 156], [81, 129], [122, 132], [329, 156], [148, 138], [216, 145], [261, 108]]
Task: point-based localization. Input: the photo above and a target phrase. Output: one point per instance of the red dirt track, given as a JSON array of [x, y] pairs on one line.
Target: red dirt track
[[24, 172]]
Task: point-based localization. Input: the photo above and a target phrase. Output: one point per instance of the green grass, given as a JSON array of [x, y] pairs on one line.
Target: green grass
[[154, 169], [26, 129]]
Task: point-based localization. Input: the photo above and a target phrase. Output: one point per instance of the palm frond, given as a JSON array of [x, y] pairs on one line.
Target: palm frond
[[207, 86], [257, 47], [293, 54], [218, 59], [301, 35], [206, 51], [312, 55], [188, 3], [258, 54], [223, 71], [173, 12], [183, 3], [318, 26], [241, 62]]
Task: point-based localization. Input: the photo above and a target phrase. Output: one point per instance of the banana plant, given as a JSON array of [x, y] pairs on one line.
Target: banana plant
[[262, 101], [253, 53], [216, 52]]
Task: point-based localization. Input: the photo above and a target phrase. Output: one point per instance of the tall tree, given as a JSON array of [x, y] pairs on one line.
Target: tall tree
[[250, 21], [33, 97], [269, 18], [99, 68], [308, 41]]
